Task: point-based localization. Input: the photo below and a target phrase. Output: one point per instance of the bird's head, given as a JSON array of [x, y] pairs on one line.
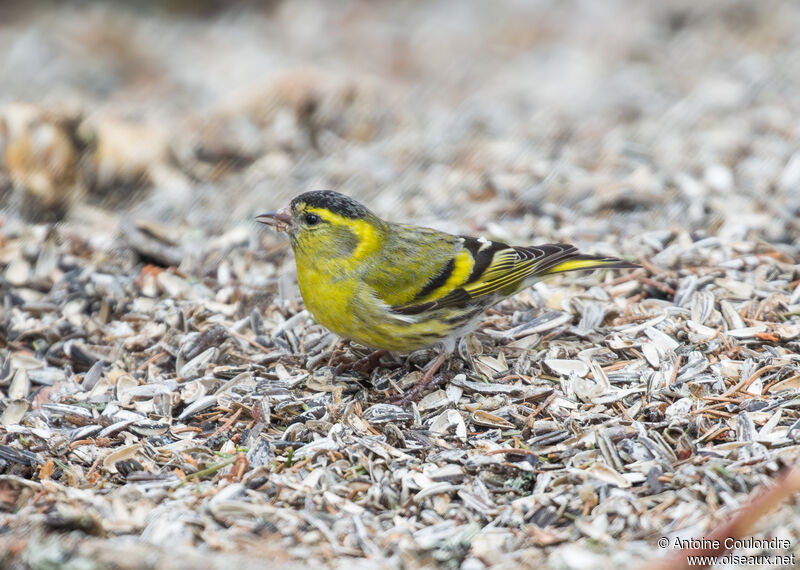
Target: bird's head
[[326, 223]]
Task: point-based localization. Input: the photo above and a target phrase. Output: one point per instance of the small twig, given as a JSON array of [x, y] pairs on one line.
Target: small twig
[[213, 469], [664, 288], [239, 468], [187, 428], [709, 412], [713, 434], [152, 359], [722, 399], [616, 366], [650, 267], [93, 467], [745, 384], [512, 451], [539, 409], [228, 423], [632, 276], [300, 464], [674, 374], [251, 342]]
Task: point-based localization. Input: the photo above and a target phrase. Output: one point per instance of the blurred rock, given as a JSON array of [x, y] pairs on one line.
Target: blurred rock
[[125, 155], [40, 154]]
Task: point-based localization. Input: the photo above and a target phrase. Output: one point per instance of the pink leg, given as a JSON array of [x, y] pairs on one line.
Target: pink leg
[[365, 364], [426, 381]]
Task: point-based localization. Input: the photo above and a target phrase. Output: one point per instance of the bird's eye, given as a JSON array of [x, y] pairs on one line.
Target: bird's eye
[[312, 219]]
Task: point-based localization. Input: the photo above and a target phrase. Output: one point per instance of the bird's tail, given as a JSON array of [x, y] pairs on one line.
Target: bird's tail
[[574, 261], [580, 261]]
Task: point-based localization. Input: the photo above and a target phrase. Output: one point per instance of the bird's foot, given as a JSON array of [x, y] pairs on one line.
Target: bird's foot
[[365, 365], [429, 380]]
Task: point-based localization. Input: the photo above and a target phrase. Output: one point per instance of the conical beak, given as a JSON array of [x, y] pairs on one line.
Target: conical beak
[[280, 220]]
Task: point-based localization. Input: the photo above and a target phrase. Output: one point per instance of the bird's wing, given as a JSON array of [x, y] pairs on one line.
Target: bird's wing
[[499, 268], [415, 265]]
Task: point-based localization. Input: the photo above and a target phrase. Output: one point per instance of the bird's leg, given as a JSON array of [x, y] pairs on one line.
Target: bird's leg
[[336, 353], [426, 381], [365, 365]]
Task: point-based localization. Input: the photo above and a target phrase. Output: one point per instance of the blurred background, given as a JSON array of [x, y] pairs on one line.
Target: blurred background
[[586, 121], [137, 136]]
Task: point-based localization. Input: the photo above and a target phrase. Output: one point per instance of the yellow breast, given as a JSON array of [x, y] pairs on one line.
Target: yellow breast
[[330, 300], [348, 308]]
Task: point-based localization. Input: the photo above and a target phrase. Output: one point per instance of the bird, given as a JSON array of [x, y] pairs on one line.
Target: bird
[[397, 287]]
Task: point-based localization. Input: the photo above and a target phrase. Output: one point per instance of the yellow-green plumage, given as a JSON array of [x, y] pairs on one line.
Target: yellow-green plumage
[[401, 287]]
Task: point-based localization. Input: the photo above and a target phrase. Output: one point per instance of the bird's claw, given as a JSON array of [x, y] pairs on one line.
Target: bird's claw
[[428, 380], [415, 393], [365, 365]]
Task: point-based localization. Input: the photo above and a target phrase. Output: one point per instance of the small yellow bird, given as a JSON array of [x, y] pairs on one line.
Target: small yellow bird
[[399, 287]]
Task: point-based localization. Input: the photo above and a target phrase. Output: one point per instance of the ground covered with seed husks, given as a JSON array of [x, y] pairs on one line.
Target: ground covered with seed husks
[[167, 402]]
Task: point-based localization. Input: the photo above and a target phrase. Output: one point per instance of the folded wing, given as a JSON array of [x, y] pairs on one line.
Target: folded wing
[[503, 270]]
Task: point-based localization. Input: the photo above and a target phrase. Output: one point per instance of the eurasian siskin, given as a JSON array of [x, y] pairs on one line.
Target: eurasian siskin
[[400, 287]]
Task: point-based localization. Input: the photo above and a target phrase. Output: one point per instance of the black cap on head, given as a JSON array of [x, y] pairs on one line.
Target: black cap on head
[[333, 201]]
